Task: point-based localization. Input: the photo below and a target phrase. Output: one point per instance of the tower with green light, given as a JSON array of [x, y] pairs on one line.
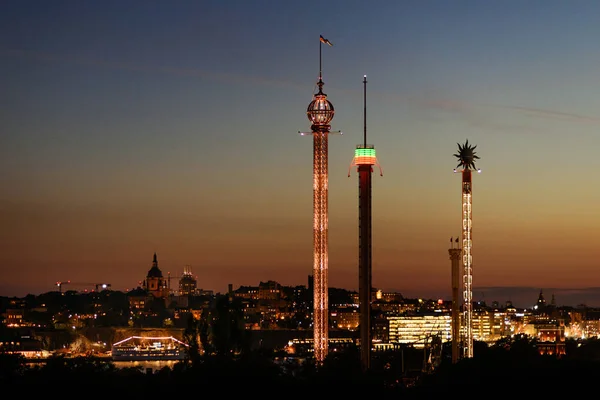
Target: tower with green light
[[364, 159]]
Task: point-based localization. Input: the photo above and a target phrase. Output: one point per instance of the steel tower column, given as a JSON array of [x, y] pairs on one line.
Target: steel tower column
[[466, 159], [320, 112], [456, 337], [467, 261], [364, 262], [364, 159], [320, 241]]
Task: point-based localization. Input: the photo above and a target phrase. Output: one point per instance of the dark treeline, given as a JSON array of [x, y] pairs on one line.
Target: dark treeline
[[221, 360], [512, 367]]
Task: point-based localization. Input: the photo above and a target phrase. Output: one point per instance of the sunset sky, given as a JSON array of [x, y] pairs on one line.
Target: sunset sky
[[134, 127]]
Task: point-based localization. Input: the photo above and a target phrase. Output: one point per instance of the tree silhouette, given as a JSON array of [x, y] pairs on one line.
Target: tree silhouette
[[204, 326], [229, 335], [191, 338]]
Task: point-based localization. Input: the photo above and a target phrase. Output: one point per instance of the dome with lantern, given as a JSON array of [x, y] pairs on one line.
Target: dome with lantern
[[320, 111]]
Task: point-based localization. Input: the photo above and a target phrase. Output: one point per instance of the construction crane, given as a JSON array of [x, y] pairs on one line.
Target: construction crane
[[432, 360], [169, 277], [432, 349], [102, 285], [186, 274]]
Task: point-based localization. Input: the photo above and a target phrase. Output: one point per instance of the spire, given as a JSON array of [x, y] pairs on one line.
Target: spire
[[154, 272], [541, 300]]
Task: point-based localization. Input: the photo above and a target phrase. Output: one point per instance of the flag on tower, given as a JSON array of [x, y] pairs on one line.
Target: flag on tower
[[326, 41]]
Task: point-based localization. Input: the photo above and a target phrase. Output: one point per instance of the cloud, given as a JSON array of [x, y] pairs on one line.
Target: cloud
[[536, 112], [473, 112], [466, 110]]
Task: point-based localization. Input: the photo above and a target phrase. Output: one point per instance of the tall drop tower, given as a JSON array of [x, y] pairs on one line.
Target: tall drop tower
[[455, 252], [466, 160], [320, 112], [364, 159]]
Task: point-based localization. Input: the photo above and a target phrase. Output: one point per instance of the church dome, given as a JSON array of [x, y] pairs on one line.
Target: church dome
[[155, 272]]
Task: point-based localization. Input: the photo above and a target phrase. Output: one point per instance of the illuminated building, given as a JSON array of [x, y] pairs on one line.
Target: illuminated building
[[187, 283], [301, 346], [466, 160], [320, 112], [388, 296], [348, 319], [551, 339], [499, 325], [269, 290], [483, 326], [380, 329], [246, 292], [138, 298], [416, 329], [25, 346], [364, 159], [13, 317]]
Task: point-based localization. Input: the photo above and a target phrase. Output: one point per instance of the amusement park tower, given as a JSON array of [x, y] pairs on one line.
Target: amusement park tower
[[364, 159], [466, 160], [320, 113], [455, 252]]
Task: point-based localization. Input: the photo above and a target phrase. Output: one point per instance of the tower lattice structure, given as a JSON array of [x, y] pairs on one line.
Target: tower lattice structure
[[320, 113], [467, 261], [466, 157]]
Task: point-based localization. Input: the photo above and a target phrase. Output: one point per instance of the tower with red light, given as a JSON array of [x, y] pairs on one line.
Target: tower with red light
[[466, 161]]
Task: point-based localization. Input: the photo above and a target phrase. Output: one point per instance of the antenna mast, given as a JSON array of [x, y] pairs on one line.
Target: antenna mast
[[365, 110], [320, 63]]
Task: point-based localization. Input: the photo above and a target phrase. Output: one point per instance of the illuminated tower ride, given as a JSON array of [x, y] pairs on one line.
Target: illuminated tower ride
[[364, 159], [320, 113], [466, 160]]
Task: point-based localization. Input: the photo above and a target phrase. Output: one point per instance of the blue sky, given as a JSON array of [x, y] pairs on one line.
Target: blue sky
[[142, 126]]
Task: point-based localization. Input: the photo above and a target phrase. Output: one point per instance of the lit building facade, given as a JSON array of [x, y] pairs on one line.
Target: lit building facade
[[346, 319], [187, 283], [551, 339], [415, 330]]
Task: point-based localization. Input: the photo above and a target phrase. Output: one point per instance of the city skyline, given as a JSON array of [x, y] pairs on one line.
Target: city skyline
[[129, 129]]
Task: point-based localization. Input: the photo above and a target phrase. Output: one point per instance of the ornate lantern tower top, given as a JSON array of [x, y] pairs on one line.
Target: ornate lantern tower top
[[320, 111]]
